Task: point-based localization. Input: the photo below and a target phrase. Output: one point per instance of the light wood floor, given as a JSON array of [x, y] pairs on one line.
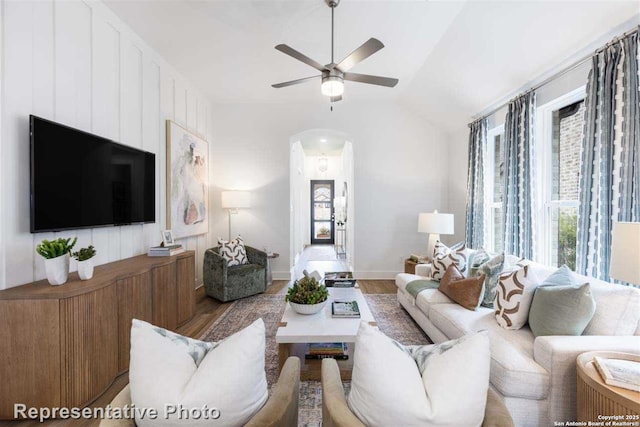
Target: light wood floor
[[208, 311]]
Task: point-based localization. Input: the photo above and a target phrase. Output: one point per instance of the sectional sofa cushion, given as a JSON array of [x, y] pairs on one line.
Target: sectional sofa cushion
[[514, 371], [419, 385], [163, 370], [561, 310], [466, 292], [514, 296]]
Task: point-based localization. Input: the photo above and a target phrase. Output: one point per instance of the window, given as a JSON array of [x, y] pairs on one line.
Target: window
[[494, 174], [561, 124]]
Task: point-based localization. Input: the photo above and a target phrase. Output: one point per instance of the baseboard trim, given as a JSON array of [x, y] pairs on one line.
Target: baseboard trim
[[281, 275]]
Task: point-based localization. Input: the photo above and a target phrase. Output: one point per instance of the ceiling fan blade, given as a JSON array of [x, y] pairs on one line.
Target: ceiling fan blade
[[367, 49], [372, 80], [294, 82], [300, 57], [336, 98]]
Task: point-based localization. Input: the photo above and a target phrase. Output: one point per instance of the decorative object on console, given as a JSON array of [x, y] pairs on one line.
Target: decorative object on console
[[458, 254], [625, 252], [466, 292], [619, 372], [514, 296], [234, 200], [435, 224], [56, 258], [164, 368], [419, 385], [167, 238], [85, 262], [561, 309], [307, 296], [187, 182], [165, 250]]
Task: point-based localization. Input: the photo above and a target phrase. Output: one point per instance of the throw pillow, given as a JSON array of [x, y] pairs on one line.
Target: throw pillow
[[561, 310], [233, 251], [457, 255], [513, 298], [466, 292], [393, 385], [163, 371], [491, 270]]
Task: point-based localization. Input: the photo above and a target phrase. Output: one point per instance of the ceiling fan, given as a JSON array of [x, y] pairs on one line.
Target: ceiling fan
[[333, 75]]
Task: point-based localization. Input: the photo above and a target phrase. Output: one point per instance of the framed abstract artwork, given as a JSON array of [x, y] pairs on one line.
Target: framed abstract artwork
[[187, 182]]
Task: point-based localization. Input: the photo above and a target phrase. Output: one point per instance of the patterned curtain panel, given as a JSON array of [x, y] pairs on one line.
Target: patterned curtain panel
[[519, 179], [610, 175], [475, 184]]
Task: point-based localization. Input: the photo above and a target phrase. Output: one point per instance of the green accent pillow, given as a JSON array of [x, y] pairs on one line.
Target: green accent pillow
[[561, 310]]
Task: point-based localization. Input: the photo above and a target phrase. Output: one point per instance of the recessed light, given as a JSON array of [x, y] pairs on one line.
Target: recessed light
[[323, 140]]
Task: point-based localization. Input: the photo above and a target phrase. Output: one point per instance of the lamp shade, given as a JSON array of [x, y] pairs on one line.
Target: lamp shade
[[625, 252], [435, 223], [236, 199]]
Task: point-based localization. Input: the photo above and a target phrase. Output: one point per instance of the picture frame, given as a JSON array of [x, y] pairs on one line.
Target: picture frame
[[167, 238], [187, 182]]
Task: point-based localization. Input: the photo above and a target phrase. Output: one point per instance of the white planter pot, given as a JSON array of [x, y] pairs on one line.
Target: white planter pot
[[57, 269], [85, 269], [308, 308]]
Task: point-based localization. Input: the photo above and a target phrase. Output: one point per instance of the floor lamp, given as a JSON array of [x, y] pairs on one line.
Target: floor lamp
[[234, 200], [435, 224], [625, 252]]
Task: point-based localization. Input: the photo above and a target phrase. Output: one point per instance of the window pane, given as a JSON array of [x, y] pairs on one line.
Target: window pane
[[497, 168], [564, 224], [321, 230], [497, 230], [568, 123]]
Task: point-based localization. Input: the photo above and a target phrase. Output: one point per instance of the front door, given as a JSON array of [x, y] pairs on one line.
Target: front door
[[322, 212]]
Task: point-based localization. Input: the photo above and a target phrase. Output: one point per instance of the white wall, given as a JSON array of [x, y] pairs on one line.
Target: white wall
[[400, 170], [76, 63]]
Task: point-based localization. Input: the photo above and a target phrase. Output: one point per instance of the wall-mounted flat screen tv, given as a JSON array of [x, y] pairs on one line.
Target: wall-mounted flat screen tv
[[80, 180]]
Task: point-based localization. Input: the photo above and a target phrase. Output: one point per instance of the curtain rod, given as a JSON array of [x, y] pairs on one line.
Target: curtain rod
[[559, 73]]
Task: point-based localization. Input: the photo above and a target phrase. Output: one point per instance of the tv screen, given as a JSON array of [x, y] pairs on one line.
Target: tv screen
[[80, 180]]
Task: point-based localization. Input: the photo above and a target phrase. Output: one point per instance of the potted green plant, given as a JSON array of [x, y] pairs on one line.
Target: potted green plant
[[307, 296], [85, 262], [324, 233], [56, 258]]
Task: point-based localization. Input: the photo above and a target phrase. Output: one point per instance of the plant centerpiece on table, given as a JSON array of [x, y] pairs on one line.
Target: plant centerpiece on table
[[307, 296], [85, 262], [56, 258]]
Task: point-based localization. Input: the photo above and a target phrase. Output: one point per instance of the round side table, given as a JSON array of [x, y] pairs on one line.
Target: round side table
[[595, 399], [270, 256]]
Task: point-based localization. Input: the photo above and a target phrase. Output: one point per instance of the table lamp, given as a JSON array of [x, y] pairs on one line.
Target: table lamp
[[435, 224], [234, 200], [625, 252]]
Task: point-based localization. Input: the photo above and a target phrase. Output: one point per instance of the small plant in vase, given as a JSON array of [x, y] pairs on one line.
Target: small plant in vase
[[56, 258], [85, 262], [307, 296]]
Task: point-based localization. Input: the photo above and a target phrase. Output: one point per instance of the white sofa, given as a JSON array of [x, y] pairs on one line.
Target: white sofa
[[536, 377]]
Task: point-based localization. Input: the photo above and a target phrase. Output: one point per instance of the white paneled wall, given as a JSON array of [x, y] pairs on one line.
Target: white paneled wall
[[76, 63]]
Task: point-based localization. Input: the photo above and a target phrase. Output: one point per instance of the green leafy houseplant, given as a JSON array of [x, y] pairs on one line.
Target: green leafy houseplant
[[49, 249], [84, 253], [307, 291]]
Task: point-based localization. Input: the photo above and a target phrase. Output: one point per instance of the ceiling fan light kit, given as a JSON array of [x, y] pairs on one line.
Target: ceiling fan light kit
[[333, 75]]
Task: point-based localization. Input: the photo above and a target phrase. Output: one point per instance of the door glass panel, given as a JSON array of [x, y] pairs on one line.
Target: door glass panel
[[322, 212], [321, 230]]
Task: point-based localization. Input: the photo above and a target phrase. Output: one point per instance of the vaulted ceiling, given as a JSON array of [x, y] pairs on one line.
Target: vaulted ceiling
[[453, 58]]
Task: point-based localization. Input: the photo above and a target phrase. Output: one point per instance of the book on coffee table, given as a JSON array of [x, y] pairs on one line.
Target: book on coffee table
[[334, 350], [346, 309]]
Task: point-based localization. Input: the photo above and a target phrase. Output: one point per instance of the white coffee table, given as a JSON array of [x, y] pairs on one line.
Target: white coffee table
[[296, 331]]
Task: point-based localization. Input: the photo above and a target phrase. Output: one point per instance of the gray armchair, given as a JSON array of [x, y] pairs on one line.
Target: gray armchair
[[226, 283]]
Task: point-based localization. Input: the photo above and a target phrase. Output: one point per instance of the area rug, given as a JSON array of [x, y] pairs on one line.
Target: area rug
[[392, 319]]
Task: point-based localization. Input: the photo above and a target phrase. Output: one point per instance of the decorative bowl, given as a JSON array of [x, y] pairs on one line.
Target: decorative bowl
[[308, 308]]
